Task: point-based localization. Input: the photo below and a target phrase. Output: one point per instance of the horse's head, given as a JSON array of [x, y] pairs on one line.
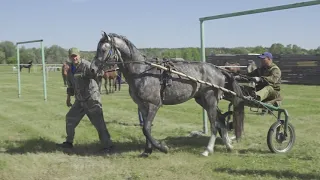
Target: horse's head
[[107, 52], [114, 48]]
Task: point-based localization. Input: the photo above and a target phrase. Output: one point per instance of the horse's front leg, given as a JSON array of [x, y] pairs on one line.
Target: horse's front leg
[[148, 117], [109, 85]]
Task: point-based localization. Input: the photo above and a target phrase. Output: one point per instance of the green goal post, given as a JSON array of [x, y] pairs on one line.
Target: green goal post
[[43, 67]]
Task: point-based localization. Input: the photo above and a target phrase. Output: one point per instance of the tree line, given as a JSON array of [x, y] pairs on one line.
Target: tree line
[[57, 55]]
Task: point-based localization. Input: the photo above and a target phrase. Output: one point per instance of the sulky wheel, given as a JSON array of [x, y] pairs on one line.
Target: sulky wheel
[[276, 137]]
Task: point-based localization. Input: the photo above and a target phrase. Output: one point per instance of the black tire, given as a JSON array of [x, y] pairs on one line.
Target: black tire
[[291, 137]]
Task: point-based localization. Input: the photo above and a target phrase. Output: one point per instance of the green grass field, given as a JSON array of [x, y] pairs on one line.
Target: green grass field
[[30, 127]]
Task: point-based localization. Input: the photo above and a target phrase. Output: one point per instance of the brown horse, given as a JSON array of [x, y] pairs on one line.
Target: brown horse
[[108, 76], [233, 69], [64, 70], [250, 67]]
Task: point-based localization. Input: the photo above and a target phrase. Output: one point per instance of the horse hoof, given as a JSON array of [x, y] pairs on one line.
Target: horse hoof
[[144, 155], [165, 148], [232, 138], [229, 148], [205, 153]]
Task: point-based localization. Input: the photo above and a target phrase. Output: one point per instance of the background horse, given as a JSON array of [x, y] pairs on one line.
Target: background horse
[[149, 92], [28, 66], [235, 69], [110, 76], [64, 72]]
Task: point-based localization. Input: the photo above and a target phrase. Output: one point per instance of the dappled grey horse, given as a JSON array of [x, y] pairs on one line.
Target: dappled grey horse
[[149, 93]]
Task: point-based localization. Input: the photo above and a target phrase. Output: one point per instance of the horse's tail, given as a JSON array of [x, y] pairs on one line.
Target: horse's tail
[[238, 105]]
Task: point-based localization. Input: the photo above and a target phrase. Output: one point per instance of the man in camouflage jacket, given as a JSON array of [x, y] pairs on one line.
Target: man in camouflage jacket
[[82, 85]]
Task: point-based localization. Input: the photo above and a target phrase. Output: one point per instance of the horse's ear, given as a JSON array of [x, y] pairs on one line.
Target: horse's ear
[[108, 38], [104, 35]]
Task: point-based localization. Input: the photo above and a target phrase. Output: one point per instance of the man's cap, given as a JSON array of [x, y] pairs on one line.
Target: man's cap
[[266, 54], [74, 51]]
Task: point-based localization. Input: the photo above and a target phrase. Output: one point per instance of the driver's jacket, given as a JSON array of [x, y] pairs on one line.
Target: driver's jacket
[[81, 82], [270, 75]]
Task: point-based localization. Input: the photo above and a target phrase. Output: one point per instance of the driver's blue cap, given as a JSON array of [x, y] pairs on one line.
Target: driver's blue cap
[[265, 54]]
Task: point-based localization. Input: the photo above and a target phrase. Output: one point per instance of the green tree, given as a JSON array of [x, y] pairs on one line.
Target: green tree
[[8, 48], [2, 57], [277, 48], [258, 50], [12, 60]]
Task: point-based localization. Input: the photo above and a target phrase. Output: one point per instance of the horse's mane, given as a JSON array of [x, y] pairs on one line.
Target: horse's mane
[[133, 49], [127, 41]]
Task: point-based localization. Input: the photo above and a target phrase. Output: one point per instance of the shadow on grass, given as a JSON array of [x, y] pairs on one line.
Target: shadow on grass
[[42, 145], [189, 144], [254, 151], [122, 123], [175, 144], [278, 174]]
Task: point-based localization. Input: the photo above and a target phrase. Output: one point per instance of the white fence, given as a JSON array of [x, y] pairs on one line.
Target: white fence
[[35, 67]]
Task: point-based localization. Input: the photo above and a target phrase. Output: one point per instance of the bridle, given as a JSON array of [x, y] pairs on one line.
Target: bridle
[[113, 53]]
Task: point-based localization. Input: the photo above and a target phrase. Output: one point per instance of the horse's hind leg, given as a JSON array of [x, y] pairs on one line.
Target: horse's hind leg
[[209, 102], [110, 89], [211, 108], [106, 85]]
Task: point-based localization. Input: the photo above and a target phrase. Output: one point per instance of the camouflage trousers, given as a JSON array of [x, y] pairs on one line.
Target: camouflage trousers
[[93, 109], [267, 93]]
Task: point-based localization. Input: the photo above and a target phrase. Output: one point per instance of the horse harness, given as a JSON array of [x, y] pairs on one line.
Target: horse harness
[[165, 76]]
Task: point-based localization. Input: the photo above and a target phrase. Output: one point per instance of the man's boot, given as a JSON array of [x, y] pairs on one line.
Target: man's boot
[[65, 145]]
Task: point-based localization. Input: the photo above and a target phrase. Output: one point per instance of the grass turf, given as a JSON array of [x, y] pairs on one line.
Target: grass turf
[[30, 127]]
